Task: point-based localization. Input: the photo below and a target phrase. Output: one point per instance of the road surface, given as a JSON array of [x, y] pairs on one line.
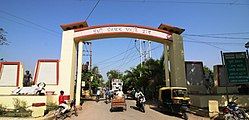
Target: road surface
[[101, 111]]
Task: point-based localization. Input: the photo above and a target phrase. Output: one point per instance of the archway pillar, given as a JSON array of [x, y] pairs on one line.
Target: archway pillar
[[67, 64], [177, 65], [166, 64], [79, 70]]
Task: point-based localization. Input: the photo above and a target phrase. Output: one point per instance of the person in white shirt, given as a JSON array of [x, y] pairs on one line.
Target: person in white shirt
[[120, 93], [98, 95], [139, 94]]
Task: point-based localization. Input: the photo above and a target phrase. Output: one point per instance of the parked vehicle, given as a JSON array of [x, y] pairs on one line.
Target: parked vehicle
[[175, 100], [233, 112], [72, 111]]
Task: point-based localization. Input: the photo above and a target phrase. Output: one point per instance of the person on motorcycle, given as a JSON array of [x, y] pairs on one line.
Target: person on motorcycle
[[139, 94], [62, 102], [140, 100]]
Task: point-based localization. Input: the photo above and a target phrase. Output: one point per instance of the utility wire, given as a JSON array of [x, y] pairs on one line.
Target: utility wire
[[125, 55], [92, 10], [7, 19], [230, 33], [10, 20], [178, 2], [217, 37], [134, 58], [206, 43], [234, 2], [115, 62], [149, 50], [114, 56], [227, 43], [130, 60], [132, 55], [30, 22]]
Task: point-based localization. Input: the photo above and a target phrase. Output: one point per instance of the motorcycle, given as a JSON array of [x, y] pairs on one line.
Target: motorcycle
[[59, 115], [140, 103], [184, 109], [233, 112]]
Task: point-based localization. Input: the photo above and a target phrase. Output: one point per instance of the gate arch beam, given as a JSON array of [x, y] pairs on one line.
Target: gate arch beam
[[76, 33], [82, 32]]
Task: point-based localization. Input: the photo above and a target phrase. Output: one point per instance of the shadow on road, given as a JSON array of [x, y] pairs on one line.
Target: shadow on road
[[166, 112], [135, 108], [117, 109]]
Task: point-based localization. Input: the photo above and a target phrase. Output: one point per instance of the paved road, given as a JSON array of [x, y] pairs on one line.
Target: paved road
[[101, 111]]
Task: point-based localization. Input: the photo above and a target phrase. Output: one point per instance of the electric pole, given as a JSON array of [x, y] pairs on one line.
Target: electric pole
[[88, 52], [144, 51]]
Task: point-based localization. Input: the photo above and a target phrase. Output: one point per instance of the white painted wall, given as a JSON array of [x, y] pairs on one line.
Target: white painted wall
[[9, 75], [47, 73]]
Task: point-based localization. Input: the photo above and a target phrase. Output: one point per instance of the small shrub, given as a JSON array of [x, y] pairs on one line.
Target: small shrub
[[20, 110], [2, 110], [52, 106], [19, 106]]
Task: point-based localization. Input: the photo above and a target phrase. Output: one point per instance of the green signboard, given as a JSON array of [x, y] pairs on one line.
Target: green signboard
[[237, 67]]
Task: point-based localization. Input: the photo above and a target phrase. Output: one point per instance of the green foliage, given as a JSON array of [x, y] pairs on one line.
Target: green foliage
[[19, 106], [209, 78], [92, 78], [148, 77], [18, 111], [2, 110], [114, 74], [51, 106]]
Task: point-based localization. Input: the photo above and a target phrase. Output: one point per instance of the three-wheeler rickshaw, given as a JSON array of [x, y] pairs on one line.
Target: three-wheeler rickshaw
[[174, 99], [118, 102]]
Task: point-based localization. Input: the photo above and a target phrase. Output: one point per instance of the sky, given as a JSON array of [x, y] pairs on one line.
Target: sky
[[33, 28]]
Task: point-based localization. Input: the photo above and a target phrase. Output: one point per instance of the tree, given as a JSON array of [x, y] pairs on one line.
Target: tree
[[97, 77], [92, 78], [114, 74], [149, 77], [3, 39], [208, 78]]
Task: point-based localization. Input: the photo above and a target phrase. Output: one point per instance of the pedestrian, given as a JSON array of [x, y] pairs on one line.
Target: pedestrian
[[98, 95], [133, 91], [27, 79], [107, 95]]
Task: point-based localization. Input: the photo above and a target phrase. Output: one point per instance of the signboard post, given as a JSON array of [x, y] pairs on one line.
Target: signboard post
[[237, 67]]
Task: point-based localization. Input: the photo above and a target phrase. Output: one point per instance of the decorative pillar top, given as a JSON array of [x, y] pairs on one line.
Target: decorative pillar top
[[74, 25], [171, 29]]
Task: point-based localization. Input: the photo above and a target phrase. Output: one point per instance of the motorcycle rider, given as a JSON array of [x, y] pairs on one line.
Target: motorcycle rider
[[140, 99], [62, 102], [139, 94]]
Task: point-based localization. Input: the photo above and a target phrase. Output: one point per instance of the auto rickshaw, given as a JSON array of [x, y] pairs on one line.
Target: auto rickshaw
[[174, 99]]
